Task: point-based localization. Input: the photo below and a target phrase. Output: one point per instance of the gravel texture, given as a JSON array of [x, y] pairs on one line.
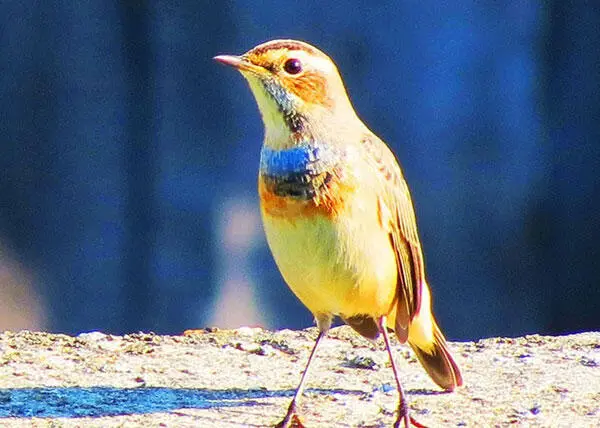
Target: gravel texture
[[245, 377]]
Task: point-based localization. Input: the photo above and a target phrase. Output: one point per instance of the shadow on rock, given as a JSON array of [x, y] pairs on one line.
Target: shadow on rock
[[75, 402], [106, 401]]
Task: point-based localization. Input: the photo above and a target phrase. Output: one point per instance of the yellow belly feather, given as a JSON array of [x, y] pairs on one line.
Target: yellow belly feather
[[338, 265]]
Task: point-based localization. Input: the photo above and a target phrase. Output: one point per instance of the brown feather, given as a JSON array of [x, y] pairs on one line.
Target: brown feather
[[287, 45], [363, 325], [310, 87], [329, 201], [438, 362], [402, 227]]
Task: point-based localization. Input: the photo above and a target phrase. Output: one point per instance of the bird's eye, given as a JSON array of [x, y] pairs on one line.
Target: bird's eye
[[292, 66]]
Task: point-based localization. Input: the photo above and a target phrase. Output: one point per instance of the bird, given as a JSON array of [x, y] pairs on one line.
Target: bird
[[337, 212]]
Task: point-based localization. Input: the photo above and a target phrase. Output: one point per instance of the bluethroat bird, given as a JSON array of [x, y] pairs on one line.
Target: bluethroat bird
[[337, 211]]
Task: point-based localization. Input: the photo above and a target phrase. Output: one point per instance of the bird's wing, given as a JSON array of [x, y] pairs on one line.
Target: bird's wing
[[396, 214]]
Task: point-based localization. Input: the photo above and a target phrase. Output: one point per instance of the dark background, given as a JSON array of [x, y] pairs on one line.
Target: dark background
[[128, 158]]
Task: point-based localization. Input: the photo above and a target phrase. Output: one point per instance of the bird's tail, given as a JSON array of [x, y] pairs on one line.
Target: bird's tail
[[435, 357]]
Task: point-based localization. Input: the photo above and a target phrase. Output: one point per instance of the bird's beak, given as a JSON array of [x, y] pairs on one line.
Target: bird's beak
[[239, 62]]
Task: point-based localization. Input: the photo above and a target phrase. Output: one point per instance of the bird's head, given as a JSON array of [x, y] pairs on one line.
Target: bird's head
[[297, 88]]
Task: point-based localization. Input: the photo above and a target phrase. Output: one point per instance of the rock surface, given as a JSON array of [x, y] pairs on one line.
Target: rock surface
[[245, 377]]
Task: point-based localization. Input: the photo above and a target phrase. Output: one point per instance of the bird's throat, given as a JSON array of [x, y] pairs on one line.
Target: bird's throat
[[281, 119]]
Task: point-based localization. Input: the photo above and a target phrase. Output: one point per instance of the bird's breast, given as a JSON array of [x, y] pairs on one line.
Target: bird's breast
[[303, 181], [321, 221]]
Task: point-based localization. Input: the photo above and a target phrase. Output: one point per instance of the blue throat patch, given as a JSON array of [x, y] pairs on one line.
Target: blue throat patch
[[297, 160], [300, 172]]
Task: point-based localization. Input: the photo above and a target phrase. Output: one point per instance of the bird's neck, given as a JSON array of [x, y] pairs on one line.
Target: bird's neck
[[289, 123], [301, 155]]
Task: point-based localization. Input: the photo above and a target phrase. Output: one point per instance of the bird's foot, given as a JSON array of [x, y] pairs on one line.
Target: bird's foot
[[405, 420], [402, 422], [416, 423], [291, 419]]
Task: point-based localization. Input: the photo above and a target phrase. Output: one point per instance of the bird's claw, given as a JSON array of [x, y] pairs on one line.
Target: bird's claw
[[290, 421], [407, 422], [415, 423]]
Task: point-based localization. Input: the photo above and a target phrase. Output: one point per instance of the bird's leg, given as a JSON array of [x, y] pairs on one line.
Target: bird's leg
[[291, 418], [403, 416]]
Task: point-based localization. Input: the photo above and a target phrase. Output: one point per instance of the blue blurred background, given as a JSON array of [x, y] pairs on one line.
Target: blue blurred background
[[129, 158]]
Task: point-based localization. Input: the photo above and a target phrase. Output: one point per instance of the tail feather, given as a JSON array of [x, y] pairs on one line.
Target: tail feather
[[437, 361]]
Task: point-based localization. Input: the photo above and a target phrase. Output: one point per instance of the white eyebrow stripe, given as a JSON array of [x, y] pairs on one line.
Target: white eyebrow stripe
[[318, 62]]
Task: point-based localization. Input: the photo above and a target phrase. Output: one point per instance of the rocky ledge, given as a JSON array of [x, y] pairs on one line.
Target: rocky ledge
[[245, 377]]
